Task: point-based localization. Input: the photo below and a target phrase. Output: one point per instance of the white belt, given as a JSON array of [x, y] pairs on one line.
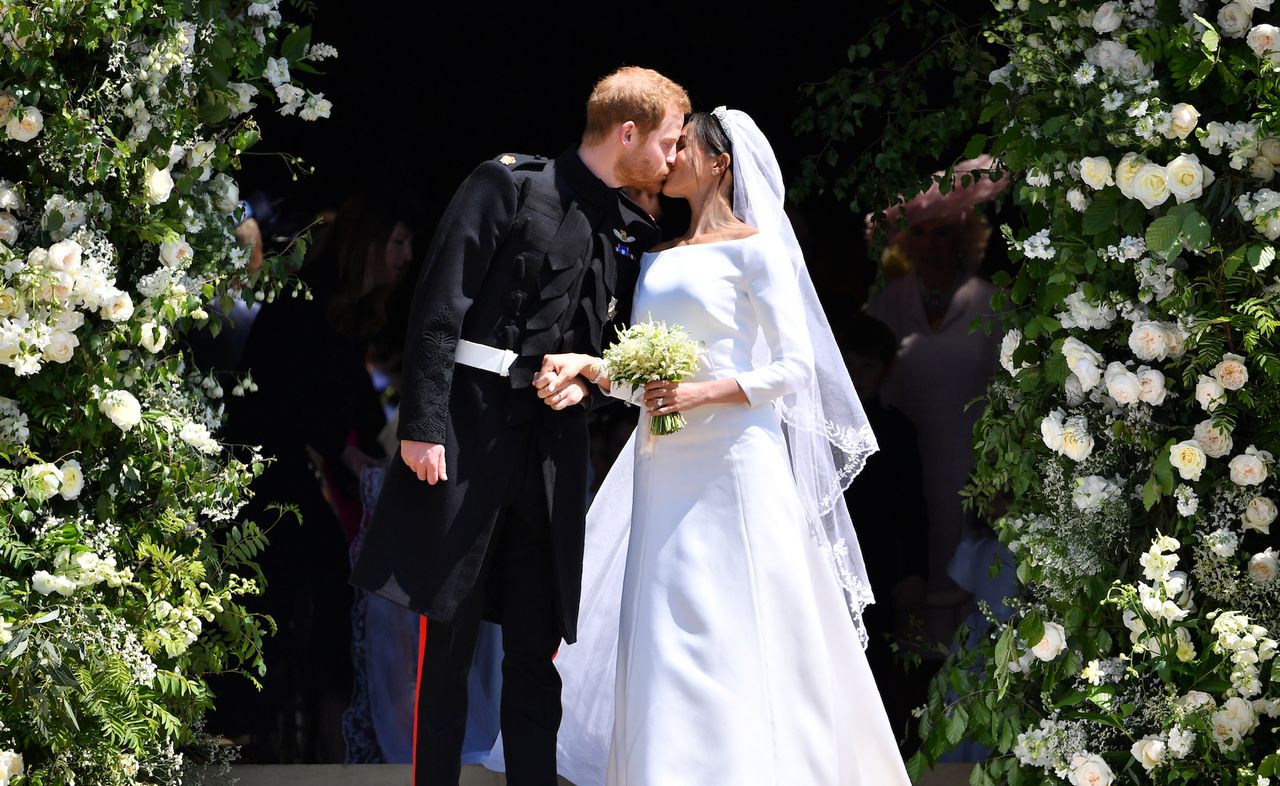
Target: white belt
[[484, 357]]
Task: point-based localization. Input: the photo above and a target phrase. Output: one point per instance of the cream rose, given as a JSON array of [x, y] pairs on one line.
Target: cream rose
[[1151, 185], [117, 306], [25, 125], [8, 302], [1126, 173], [1052, 644], [1247, 470], [1107, 18], [1151, 386], [64, 256], [1263, 567], [1188, 458], [1238, 714], [11, 764], [1186, 178], [1215, 441], [175, 251], [153, 337], [158, 183], [1077, 444], [1210, 393], [72, 479], [1088, 769], [1122, 384], [1149, 341], [1270, 149], [1262, 38], [1051, 430], [41, 481], [1149, 751], [1231, 373], [1183, 119], [121, 408], [1083, 361], [61, 347], [1096, 172], [1261, 169], [1234, 19], [1259, 514], [8, 228]]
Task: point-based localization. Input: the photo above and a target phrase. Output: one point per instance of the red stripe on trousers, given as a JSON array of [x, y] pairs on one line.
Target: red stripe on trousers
[[417, 691]]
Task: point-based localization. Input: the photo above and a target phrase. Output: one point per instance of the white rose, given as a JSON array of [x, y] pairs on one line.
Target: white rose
[[1263, 567], [1083, 361], [1234, 19], [1077, 444], [1151, 386], [1231, 372], [1077, 200], [1262, 39], [1122, 384], [64, 256], [61, 346], [25, 126], [1238, 714], [1151, 185], [1107, 55], [8, 228], [158, 183], [1183, 119], [117, 306], [1088, 769], [1051, 430], [1186, 177], [1149, 340], [175, 251], [44, 582], [1215, 441], [1096, 172], [1107, 18], [1210, 393], [153, 337], [200, 156], [72, 479], [1259, 514], [9, 304], [1188, 458], [122, 408], [1262, 169], [41, 481], [226, 194], [1052, 644], [1194, 700], [11, 764], [1149, 751], [1270, 149], [1247, 470], [1091, 492], [1126, 173]]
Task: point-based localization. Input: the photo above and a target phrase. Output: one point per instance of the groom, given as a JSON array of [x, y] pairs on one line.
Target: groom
[[482, 512]]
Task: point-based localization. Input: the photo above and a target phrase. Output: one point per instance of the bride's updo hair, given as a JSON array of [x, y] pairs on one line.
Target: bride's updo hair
[[706, 129]]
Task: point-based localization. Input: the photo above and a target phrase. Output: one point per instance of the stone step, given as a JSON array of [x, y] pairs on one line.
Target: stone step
[[472, 775]]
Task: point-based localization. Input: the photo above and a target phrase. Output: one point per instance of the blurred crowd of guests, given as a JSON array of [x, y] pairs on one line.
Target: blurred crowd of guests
[[342, 666]]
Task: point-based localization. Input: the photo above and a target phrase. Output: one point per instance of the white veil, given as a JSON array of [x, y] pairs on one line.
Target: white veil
[[828, 439], [828, 436]]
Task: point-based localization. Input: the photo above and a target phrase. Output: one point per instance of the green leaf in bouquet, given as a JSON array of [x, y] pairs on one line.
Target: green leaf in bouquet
[[1235, 259], [294, 46], [1197, 230]]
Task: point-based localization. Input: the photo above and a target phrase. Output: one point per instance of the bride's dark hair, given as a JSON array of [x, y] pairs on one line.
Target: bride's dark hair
[[711, 136]]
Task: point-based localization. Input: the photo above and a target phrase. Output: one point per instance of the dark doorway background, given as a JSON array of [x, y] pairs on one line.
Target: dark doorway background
[[422, 94]]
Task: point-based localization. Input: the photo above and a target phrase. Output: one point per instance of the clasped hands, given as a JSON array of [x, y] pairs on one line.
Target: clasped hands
[[561, 383]]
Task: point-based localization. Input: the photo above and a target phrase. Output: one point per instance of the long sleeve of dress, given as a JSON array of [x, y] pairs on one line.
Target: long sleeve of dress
[[472, 228], [775, 297]]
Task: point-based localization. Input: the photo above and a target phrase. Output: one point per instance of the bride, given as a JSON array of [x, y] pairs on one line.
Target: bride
[[723, 579]]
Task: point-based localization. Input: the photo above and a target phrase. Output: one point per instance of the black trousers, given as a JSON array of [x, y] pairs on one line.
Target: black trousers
[[517, 577]]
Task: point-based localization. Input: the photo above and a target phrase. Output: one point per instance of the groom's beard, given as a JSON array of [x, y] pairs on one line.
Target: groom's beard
[[634, 172]]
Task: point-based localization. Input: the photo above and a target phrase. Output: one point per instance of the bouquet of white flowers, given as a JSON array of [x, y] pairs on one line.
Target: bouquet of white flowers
[[651, 352]]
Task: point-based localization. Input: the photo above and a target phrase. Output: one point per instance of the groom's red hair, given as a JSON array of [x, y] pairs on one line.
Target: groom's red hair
[[641, 95]]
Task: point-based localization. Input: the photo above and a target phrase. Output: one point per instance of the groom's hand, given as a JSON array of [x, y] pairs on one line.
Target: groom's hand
[[557, 371], [424, 459]]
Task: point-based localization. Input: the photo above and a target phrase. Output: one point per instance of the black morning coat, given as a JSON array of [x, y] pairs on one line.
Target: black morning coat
[[533, 255]]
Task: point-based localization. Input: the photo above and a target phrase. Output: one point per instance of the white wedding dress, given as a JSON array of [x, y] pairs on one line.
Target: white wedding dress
[[736, 659]]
